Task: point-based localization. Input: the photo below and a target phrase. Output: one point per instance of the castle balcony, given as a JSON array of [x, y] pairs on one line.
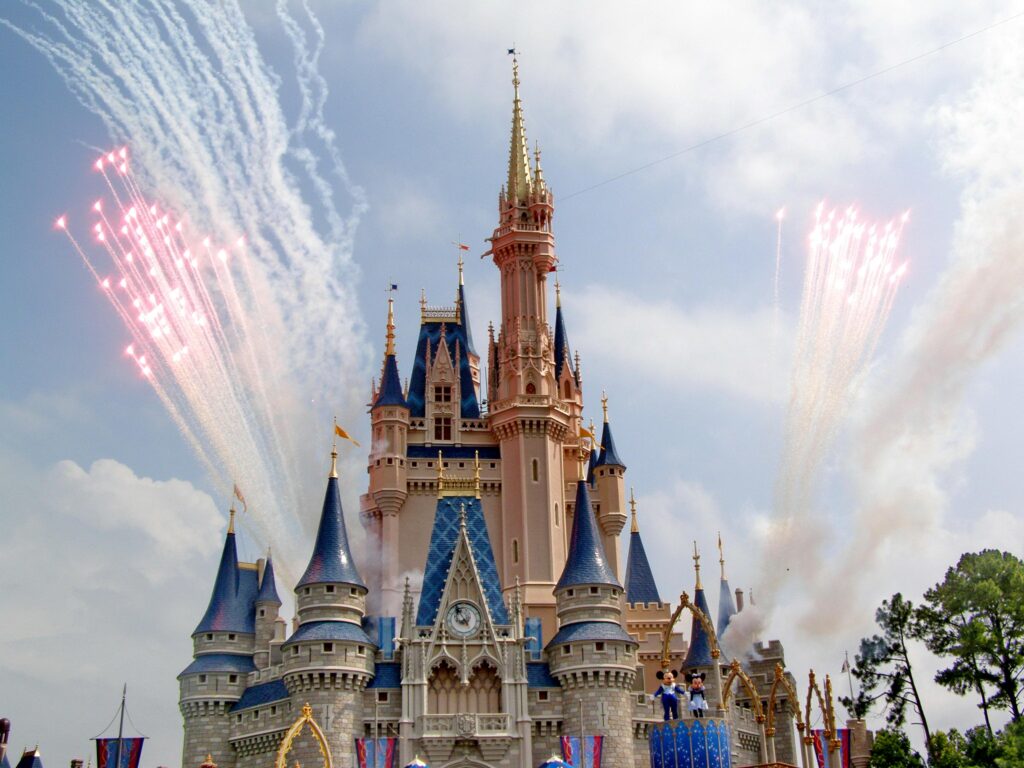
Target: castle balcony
[[492, 734], [465, 725]]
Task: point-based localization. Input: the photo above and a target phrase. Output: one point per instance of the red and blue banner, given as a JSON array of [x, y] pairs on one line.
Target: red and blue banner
[[377, 753], [824, 757], [587, 757], [107, 755]]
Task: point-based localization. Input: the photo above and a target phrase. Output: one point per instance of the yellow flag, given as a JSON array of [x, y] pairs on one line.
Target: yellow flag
[[345, 435], [584, 432]]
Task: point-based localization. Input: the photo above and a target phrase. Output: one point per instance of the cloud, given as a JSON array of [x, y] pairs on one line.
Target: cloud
[[709, 348], [105, 575]]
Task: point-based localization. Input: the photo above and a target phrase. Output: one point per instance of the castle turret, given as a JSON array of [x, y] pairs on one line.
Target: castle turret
[[570, 392], [592, 656], [389, 416], [702, 654], [610, 474], [726, 607], [223, 645], [640, 586], [270, 627], [526, 412], [329, 659]]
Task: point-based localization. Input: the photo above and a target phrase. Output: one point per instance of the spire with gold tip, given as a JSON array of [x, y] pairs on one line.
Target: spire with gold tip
[[699, 652], [520, 182], [640, 585], [726, 606], [609, 456], [390, 392]]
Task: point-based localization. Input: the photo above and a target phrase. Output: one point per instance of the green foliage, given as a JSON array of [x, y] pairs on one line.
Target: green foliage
[[892, 750], [883, 667], [948, 750], [975, 616], [1010, 746]]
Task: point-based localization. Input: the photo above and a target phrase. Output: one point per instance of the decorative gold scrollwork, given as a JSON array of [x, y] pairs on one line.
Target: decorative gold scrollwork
[[286, 744]]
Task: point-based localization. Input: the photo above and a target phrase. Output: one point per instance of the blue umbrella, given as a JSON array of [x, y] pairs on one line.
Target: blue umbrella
[[555, 762], [417, 763]]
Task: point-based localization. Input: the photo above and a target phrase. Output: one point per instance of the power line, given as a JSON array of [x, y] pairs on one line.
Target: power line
[[791, 108]]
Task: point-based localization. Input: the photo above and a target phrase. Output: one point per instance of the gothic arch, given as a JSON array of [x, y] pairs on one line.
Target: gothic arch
[[736, 671], [705, 622], [793, 700], [827, 721], [306, 718]]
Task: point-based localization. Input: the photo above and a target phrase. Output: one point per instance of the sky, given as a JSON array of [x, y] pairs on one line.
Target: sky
[[356, 164]]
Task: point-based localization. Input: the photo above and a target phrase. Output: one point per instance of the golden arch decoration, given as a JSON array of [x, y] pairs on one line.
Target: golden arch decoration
[[794, 701], [705, 622], [736, 671], [286, 744], [828, 714]]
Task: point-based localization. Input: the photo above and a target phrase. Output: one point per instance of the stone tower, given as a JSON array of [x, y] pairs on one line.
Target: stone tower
[[270, 627], [389, 417], [223, 644], [329, 659], [592, 656], [526, 411], [610, 474]]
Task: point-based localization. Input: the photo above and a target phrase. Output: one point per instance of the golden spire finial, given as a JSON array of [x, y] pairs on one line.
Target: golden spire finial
[[604, 405], [440, 473], [696, 565], [231, 519], [558, 291], [389, 347], [721, 555], [334, 450], [635, 527], [423, 303], [519, 178], [461, 279]]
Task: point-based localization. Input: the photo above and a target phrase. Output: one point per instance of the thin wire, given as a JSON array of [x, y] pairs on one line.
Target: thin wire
[[108, 724], [804, 103], [133, 725]]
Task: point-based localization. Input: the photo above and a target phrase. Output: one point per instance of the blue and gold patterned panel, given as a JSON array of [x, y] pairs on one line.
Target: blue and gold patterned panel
[[668, 747], [699, 745], [713, 751], [654, 743], [724, 748], [683, 757]]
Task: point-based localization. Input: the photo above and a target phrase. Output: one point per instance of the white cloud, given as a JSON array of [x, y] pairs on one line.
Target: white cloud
[[709, 347], [105, 574]]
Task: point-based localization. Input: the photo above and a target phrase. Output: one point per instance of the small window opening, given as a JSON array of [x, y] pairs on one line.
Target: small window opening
[[329, 589], [202, 678], [515, 550], [232, 678], [598, 646], [382, 697], [442, 393], [542, 695], [566, 650], [535, 470], [328, 647], [443, 428]]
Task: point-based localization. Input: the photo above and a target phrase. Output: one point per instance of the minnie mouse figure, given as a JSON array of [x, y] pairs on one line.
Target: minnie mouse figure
[[698, 701], [669, 693]]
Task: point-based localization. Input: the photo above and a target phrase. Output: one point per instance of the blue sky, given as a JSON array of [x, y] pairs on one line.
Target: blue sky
[[113, 526]]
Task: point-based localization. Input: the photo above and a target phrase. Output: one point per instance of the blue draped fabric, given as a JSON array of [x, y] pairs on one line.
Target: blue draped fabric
[[699, 745], [713, 753], [654, 744], [724, 748], [668, 747]]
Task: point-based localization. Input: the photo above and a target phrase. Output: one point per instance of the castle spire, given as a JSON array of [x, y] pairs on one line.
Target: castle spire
[[519, 177], [331, 561], [699, 653], [609, 456], [390, 392], [268, 587], [586, 562], [640, 584], [562, 354], [230, 610], [696, 565], [726, 606]]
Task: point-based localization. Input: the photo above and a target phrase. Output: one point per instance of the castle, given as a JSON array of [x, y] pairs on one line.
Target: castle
[[527, 626]]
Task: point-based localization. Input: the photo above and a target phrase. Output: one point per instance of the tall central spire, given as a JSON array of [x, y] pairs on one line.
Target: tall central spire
[[519, 177]]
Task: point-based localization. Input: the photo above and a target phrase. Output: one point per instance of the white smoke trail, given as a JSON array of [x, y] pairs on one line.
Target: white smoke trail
[[913, 430], [850, 283], [184, 84]]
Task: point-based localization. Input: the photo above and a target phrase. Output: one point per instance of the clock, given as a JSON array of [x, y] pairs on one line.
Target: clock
[[463, 619]]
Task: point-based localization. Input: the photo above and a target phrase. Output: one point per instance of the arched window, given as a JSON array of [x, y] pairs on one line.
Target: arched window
[[567, 388], [531, 388]]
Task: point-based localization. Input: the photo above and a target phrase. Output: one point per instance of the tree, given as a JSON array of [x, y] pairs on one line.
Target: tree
[[892, 750], [949, 750], [883, 667], [976, 616]]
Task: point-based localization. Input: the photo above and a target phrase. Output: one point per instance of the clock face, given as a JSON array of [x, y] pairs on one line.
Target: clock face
[[463, 619]]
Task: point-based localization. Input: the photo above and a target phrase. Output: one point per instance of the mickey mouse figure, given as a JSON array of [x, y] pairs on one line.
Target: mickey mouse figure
[[698, 701], [669, 693]]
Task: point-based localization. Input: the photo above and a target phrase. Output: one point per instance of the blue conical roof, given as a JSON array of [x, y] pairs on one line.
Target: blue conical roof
[[268, 587], [609, 456], [467, 332], [726, 608], [699, 652], [590, 467], [587, 562], [390, 385], [30, 759], [231, 604], [332, 559], [562, 351], [640, 586]]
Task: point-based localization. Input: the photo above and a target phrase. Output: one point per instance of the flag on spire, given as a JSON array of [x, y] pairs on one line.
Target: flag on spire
[[344, 435], [241, 498]]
